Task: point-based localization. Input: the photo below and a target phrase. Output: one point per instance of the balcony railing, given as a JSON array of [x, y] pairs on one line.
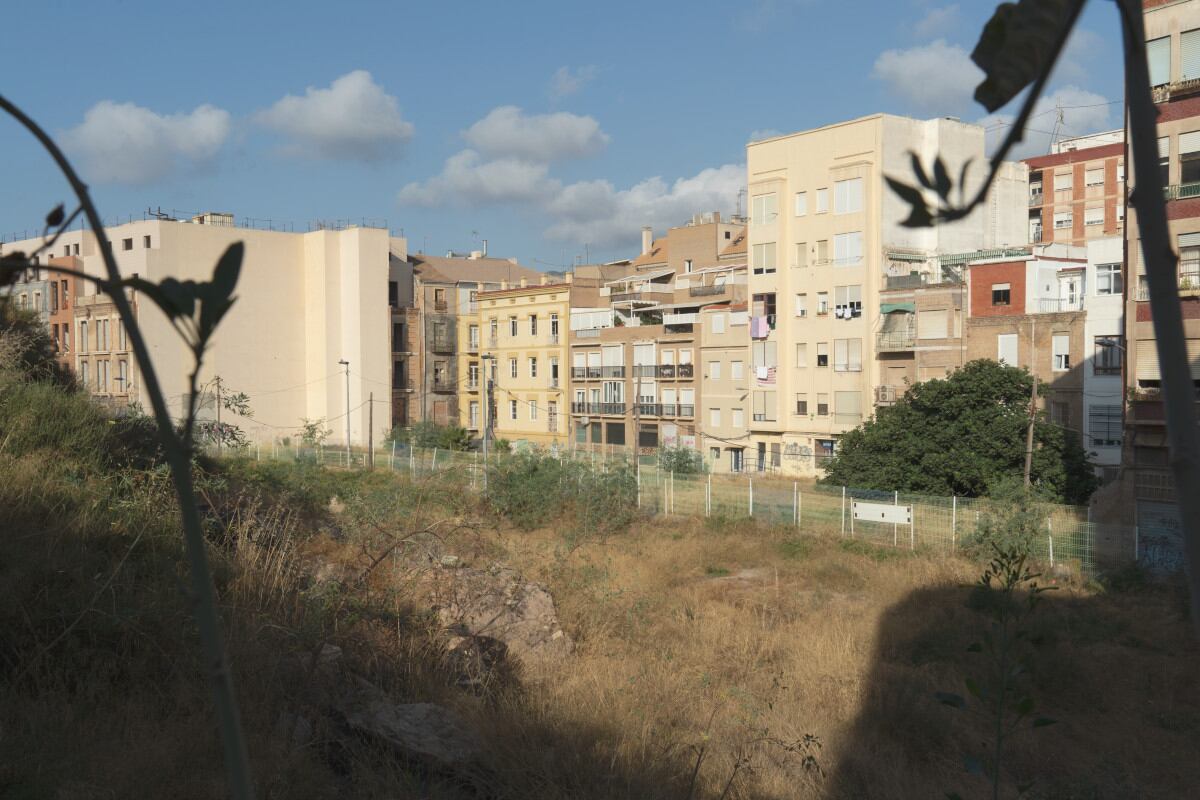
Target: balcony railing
[[443, 385], [913, 280], [895, 341], [1052, 305], [685, 371], [552, 423], [1188, 283], [645, 370], [705, 291], [1182, 191], [553, 337], [473, 346], [585, 373], [612, 372], [597, 408], [1035, 198], [553, 381], [441, 344], [1037, 236], [666, 372]]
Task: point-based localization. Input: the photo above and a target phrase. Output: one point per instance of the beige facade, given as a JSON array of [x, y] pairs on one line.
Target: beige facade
[[724, 366], [305, 301], [824, 235], [523, 350]]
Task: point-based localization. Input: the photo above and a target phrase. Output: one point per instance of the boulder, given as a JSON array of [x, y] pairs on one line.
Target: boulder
[[425, 732], [478, 662], [498, 604]]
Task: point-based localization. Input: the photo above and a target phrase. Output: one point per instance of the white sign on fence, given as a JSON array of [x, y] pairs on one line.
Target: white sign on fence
[[882, 512]]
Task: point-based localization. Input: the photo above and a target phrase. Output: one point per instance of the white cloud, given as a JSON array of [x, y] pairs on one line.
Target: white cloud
[[938, 21], [125, 143], [597, 213], [468, 179], [352, 119], [508, 132], [1083, 112], [937, 78], [566, 82]]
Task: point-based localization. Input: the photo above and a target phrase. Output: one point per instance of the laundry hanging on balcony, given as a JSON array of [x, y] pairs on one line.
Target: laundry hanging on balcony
[[759, 327], [765, 376]]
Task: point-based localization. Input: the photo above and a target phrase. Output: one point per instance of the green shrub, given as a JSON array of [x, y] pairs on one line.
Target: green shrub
[[680, 460], [531, 489], [430, 435]]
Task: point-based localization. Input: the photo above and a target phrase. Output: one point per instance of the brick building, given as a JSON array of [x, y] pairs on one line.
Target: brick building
[[1077, 192]]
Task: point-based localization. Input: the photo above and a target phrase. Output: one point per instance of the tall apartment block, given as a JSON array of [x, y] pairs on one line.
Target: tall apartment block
[[634, 379], [305, 301], [1077, 192], [824, 238], [1173, 52]]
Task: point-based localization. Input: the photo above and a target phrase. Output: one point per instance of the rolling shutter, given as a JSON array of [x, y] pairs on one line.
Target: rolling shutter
[[1189, 240], [1189, 142], [1189, 55], [1164, 146], [931, 324], [1158, 58], [1147, 360], [1193, 351]]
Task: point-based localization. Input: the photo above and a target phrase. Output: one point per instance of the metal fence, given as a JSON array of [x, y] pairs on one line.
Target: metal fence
[[893, 519]]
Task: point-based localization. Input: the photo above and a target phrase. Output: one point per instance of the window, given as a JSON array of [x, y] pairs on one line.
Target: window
[[1063, 219], [473, 337], [1158, 57], [1104, 425], [1060, 413], [764, 258], [122, 341], [83, 337], [801, 259], [1062, 352], [146, 242], [102, 342], [847, 196], [739, 418], [687, 265], [533, 409], [512, 327], [473, 414], [439, 299], [66, 338], [1001, 294], [718, 322], [764, 406], [714, 370], [512, 368], [614, 392], [714, 454], [554, 326], [1189, 157], [822, 303], [1164, 159], [512, 409], [801, 203], [933, 324], [123, 375], [847, 302], [714, 417], [736, 372], [1095, 216], [801, 354], [802, 405], [1006, 348], [1108, 279], [1107, 360], [493, 329], [83, 374], [102, 376], [1189, 259], [1189, 55], [822, 201], [764, 208], [847, 248], [802, 305], [127, 244], [822, 405], [1094, 176], [1064, 181], [64, 293], [1120, 172], [822, 354], [847, 355], [533, 324], [532, 367], [822, 251]]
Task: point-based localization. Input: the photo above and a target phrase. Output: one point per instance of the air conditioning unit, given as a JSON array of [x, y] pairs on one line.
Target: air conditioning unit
[[885, 394]]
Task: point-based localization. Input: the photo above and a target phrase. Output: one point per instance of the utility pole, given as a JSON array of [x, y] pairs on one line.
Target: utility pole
[[217, 381], [1032, 399], [371, 430], [637, 417], [346, 364]]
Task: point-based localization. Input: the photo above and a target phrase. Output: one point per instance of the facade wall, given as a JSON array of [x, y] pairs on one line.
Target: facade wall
[[986, 276], [1050, 193], [1102, 383], [724, 366]]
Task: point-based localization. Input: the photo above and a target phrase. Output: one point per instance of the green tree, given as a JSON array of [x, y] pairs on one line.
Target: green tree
[[680, 460], [430, 435], [961, 435]]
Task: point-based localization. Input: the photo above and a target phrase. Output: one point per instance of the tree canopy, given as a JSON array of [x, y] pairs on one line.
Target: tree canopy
[[961, 435]]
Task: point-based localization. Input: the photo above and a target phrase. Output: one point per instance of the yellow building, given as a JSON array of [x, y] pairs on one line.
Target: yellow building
[[520, 335]]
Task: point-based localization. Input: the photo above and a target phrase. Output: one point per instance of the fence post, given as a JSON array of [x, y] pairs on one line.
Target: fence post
[[474, 469], [433, 464], [953, 520], [896, 525], [843, 511], [708, 496], [799, 505], [392, 459], [258, 451], [751, 496], [1050, 539], [639, 483], [795, 502]]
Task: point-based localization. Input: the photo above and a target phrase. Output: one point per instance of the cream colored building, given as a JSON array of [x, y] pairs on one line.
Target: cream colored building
[[824, 234], [724, 386], [523, 348], [305, 301]]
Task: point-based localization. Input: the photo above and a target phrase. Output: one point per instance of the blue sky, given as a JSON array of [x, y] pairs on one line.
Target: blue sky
[[549, 128]]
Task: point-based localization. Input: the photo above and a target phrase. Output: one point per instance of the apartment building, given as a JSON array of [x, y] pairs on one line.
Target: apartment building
[[1077, 192], [1148, 492], [445, 290], [724, 387], [633, 353], [521, 341], [824, 236], [1030, 312], [305, 301], [103, 361], [1104, 354], [63, 291]]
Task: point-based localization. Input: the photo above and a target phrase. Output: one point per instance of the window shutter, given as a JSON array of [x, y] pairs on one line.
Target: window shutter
[[1164, 146], [1189, 55], [1147, 360], [931, 325], [1006, 348], [1189, 240], [847, 402], [1158, 58], [1193, 351], [1189, 142]]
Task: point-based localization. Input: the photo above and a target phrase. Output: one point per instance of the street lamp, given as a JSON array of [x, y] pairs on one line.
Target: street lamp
[[346, 364]]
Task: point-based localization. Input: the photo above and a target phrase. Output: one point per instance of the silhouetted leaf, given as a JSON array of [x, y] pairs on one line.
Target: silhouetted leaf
[[919, 171], [975, 647], [1016, 46], [56, 217], [919, 217], [1042, 722], [949, 699], [942, 178], [1024, 705], [229, 266], [974, 688]]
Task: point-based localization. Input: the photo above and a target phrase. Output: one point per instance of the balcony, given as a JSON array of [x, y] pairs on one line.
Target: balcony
[[585, 373], [612, 372], [1037, 236], [441, 344], [666, 372], [473, 384], [657, 294], [552, 423], [896, 341], [1181, 191], [1188, 283], [400, 384], [1035, 199], [685, 371], [598, 408], [440, 305], [681, 319], [705, 291], [1054, 305], [443, 385], [645, 370], [913, 280], [553, 337], [473, 346]]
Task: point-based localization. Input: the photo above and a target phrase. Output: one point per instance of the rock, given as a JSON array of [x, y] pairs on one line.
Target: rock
[[294, 729], [336, 506], [450, 562], [478, 662], [499, 604], [423, 731]]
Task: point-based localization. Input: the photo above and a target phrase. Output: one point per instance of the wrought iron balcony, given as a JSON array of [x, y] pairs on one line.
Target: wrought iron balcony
[[896, 341]]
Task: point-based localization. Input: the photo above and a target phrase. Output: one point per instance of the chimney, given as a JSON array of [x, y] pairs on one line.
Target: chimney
[[524, 283], [569, 277], [476, 255], [485, 248], [647, 239], [543, 280]]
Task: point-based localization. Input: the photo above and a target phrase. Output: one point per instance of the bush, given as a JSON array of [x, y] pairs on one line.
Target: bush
[[531, 489], [681, 460], [1015, 517], [430, 435]]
